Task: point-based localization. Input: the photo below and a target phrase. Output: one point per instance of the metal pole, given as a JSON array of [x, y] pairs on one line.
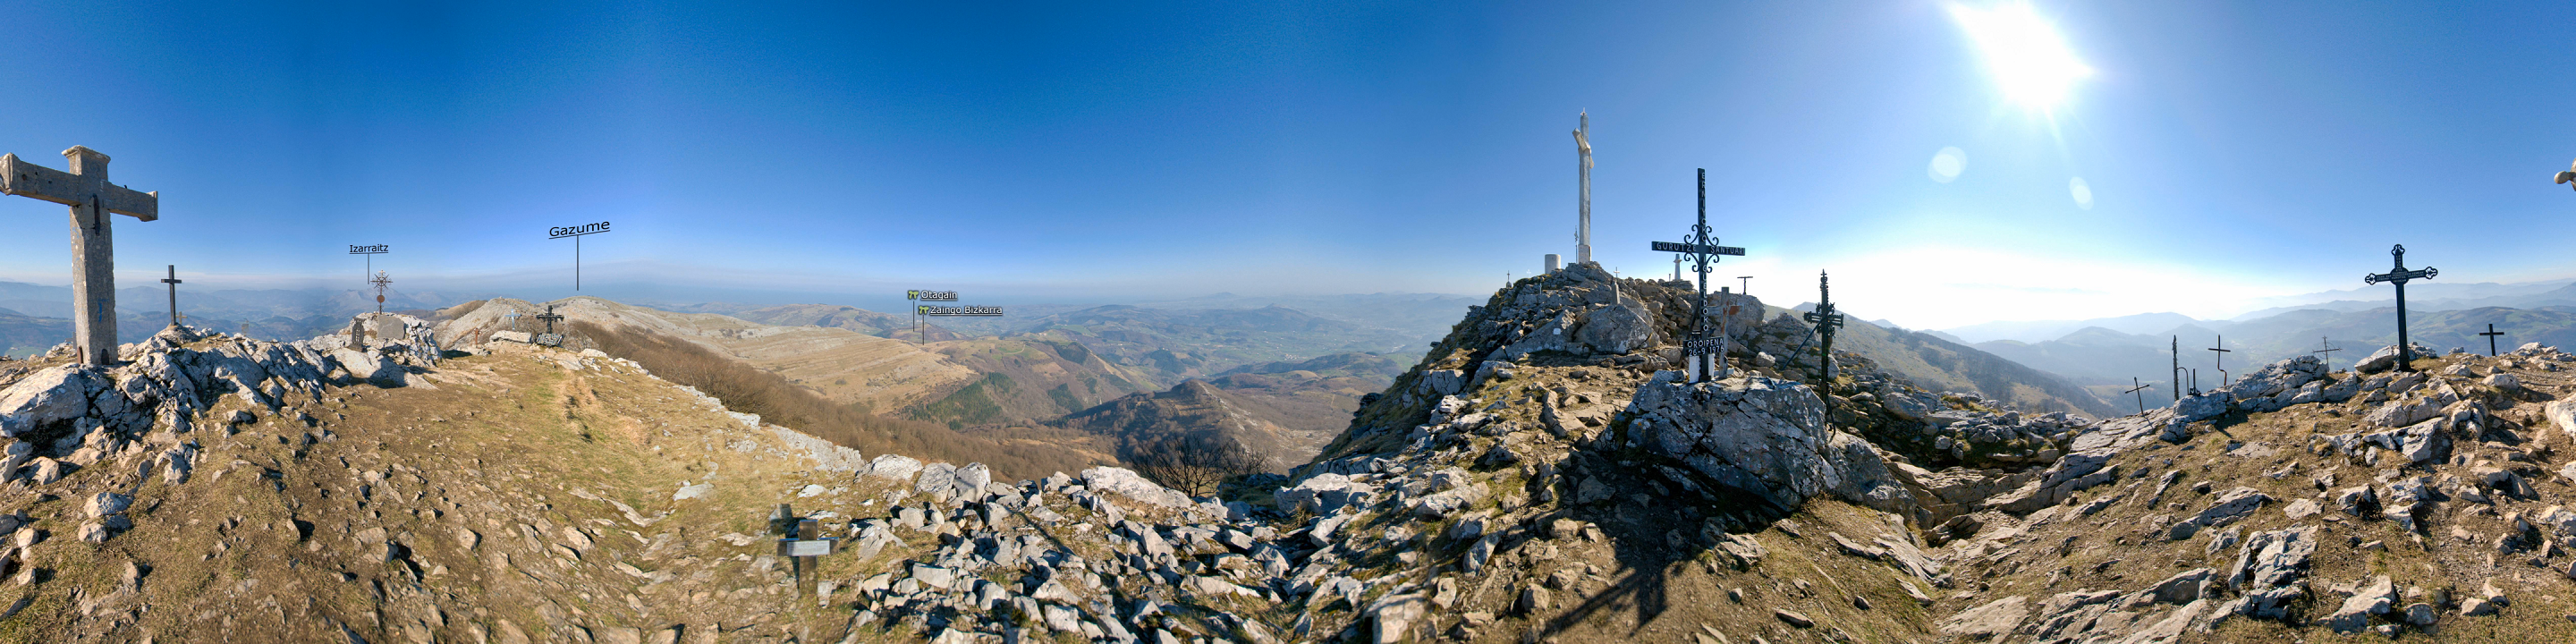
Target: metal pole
[[2405, 353]]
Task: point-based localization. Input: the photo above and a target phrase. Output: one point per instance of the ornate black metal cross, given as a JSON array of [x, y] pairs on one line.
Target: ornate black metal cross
[[382, 282], [174, 294], [2491, 339], [1826, 320], [2222, 359], [2326, 353], [2142, 398], [1701, 353], [2400, 276], [550, 318]]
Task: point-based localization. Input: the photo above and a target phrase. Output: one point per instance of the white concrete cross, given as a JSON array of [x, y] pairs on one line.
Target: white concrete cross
[[92, 198]]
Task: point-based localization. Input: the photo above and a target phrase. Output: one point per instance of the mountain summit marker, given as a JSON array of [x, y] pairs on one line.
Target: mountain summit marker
[[2400, 276], [2491, 339], [1702, 355], [92, 198], [1826, 320], [1583, 201], [174, 294]]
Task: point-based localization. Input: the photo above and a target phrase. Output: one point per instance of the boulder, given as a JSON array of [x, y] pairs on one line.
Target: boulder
[[2268, 569], [1994, 619], [1762, 436], [1321, 493], [1617, 329], [48, 396], [2386, 358], [1135, 486], [2354, 615], [892, 467]]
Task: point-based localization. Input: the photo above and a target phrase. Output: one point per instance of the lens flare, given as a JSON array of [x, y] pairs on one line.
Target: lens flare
[[2029, 61]]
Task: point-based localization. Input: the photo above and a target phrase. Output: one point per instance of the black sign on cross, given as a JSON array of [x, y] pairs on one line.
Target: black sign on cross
[[2326, 353], [2142, 398], [174, 294], [1826, 320], [2222, 359], [2399, 276], [2491, 339], [1701, 353]]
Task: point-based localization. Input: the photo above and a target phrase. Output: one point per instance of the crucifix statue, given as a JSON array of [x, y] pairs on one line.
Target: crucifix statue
[[92, 199], [1702, 354], [2491, 339], [2400, 276], [173, 281], [1826, 320], [1583, 223]]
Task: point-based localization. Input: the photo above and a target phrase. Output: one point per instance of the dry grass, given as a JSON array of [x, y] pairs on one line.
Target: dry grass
[[749, 389]]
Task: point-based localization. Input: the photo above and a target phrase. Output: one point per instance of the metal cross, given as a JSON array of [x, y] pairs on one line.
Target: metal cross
[[2399, 276], [382, 282], [173, 281], [2142, 398], [1826, 320], [2491, 339], [1745, 284], [2177, 370], [92, 198], [2222, 359], [550, 318], [797, 541], [1702, 353], [2326, 353]]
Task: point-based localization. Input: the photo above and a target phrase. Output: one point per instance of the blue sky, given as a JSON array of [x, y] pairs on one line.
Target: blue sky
[[1145, 151]]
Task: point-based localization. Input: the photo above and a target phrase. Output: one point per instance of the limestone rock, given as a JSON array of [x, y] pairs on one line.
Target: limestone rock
[[1762, 436], [2386, 358], [1994, 619], [1128, 482], [1322, 493], [1618, 329]]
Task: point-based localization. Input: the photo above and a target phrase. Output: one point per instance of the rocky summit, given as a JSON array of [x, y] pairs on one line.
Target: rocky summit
[[1543, 474]]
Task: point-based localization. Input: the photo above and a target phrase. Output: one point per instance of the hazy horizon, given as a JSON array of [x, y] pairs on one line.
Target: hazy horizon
[[2195, 157]]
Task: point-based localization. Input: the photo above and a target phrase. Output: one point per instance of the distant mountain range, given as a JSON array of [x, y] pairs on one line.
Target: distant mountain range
[[2097, 356]]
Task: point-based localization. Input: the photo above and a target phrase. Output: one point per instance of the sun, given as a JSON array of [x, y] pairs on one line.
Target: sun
[[2024, 53]]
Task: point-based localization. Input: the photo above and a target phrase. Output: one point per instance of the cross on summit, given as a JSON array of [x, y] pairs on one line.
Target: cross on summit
[[1701, 354], [2399, 276]]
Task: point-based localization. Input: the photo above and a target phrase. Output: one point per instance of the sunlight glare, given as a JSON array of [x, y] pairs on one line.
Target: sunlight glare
[[2024, 53]]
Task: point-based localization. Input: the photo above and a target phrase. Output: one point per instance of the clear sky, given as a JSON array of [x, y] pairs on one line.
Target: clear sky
[[2229, 150]]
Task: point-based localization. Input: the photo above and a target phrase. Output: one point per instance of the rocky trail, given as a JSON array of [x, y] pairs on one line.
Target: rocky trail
[[1540, 476]]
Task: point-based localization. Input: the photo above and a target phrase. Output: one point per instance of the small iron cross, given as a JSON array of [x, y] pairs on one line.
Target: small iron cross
[[2491, 339], [2142, 397], [2399, 276]]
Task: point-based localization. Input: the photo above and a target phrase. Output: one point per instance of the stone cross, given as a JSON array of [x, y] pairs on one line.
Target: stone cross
[[1826, 320], [1583, 223], [382, 282], [2400, 276], [1702, 355], [173, 281], [2142, 397], [92, 199], [2222, 359], [2491, 339]]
